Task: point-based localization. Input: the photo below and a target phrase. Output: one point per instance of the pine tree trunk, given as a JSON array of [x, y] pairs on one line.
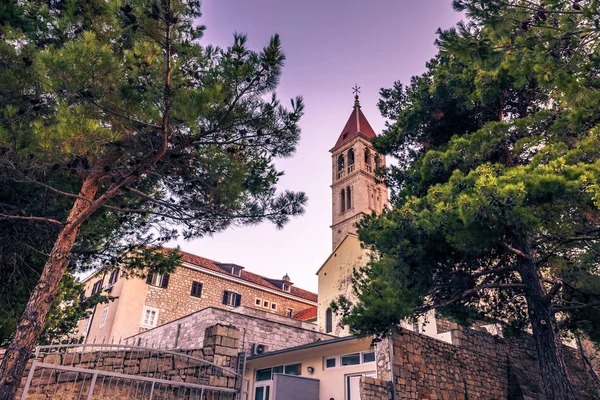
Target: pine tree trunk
[[553, 368], [31, 324]]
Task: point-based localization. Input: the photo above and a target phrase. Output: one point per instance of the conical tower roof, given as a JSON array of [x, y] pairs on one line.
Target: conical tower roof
[[357, 124]]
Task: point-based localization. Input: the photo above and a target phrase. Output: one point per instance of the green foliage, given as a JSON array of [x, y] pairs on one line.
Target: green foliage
[[498, 152], [181, 137]]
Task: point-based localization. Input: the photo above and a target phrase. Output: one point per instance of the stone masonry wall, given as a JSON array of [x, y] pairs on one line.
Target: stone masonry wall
[[476, 366], [275, 332], [220, 348], [375, 389], [175, 301]]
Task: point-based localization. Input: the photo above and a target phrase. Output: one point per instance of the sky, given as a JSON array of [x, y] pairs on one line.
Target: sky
[[330, 45]]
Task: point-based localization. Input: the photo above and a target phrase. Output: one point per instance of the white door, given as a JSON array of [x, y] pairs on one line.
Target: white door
[[353, 387]]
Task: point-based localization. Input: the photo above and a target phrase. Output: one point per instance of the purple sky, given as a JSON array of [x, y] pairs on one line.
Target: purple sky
[[330, 45]]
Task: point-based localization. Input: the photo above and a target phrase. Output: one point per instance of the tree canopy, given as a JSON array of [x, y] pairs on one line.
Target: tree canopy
[[115, 110], [496, 194]]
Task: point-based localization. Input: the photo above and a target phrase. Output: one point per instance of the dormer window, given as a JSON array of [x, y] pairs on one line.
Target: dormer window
[[286, 287], [237, 271]]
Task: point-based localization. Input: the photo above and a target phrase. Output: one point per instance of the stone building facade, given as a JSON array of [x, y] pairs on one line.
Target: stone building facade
[[198, 283], [273, 332]]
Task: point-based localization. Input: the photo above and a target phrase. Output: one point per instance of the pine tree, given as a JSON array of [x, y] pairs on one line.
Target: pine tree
[[496, 205], [153, 127]]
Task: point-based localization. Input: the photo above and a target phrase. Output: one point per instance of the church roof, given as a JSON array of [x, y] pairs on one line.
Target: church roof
[[306, 315], [357, 123]]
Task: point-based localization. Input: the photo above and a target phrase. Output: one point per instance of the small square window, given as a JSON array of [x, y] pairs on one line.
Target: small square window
[[286, 287], [273, 306], [236, 271], [149, 317], [330, 362], [265, 304], [258, 302]]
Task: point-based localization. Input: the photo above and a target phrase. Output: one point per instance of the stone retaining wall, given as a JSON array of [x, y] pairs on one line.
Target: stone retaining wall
[[476, 366], [375, 389], [221, 349]]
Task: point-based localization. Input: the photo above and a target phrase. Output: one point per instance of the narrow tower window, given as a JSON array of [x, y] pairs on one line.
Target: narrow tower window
[[368, 161], [343, 200], [348, 198], [340, 161], [328, 321]]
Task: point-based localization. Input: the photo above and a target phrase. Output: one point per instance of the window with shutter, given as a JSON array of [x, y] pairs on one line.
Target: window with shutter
[[159, 280], [114, 276], [165, 281], [232, 299], [196, 289]]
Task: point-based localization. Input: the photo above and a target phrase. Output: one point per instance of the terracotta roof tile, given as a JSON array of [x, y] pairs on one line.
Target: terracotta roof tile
[[247, 276], [306, 315], [357, 123]]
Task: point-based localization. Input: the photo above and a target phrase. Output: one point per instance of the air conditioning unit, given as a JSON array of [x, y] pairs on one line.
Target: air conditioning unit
[[257, 348]]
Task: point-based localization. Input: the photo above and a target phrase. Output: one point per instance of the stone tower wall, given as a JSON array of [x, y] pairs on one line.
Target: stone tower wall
[[367, 196]]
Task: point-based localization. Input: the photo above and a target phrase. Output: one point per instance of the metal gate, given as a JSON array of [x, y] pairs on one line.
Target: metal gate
[[114, 371]]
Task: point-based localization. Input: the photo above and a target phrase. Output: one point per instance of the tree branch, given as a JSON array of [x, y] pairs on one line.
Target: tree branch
[[40, 219]]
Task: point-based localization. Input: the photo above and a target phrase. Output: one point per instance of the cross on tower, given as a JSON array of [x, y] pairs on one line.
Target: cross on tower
[[356, 89]]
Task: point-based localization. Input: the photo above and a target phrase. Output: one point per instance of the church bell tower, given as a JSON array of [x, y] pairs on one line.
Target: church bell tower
[[353, 162]]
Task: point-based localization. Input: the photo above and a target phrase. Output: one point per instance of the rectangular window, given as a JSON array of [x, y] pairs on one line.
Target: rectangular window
[[86, 328], [278, 369], [158, 280], [149, 317], [286, 287], [330, 362], [368, 357], [114, 277], [290, 312], [294, 369], [263, 374], [265, 304], [273, 306], [351, 359], [97, 287], [236, 271], [103, 317], [196, 289], [232, 299], [258, 302]]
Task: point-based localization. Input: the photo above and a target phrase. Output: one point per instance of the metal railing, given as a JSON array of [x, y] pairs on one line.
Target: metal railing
[[112, 371]]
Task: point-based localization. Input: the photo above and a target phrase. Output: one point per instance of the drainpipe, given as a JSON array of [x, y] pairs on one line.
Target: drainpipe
[[391, 353]]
